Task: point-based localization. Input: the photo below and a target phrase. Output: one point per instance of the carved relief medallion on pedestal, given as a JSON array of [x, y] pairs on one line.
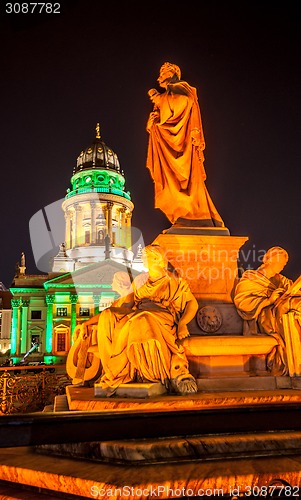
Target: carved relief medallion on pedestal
[[209, 319]]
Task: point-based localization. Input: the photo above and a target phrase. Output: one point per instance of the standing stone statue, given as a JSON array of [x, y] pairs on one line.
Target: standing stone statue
[[22, 266], [22, 261], [175, 156]]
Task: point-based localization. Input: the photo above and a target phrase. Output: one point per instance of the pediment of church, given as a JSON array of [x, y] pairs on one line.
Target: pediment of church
[[90, 276], [36, 329]]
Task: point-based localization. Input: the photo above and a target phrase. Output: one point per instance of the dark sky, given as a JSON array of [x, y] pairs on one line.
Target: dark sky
[[60, 74]]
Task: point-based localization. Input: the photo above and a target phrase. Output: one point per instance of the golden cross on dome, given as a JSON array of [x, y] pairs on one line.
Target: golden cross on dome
[[97, 131]]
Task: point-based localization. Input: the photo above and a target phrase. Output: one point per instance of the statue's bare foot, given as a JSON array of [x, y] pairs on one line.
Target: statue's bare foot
[[184, 385], [78, 382]]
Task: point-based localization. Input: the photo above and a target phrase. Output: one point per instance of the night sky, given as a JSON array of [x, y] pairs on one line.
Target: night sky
[[95, 62]]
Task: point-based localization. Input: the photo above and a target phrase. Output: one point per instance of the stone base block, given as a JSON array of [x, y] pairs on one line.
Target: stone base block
[[216, 356], [60, 403], [243, 382], [134, 390], [237, 383], [188, 230], [296, 382], [208, 262]]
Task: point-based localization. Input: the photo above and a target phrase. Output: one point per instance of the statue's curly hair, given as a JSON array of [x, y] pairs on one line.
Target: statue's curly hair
[[172, 67], [157, 252]]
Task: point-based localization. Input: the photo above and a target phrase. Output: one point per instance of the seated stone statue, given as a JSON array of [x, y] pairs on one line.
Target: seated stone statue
[[83, 362], [138, 337], [266, 296]]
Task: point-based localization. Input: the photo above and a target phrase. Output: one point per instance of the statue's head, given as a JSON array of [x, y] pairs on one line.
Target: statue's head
[[154, 255], [121, 283], [275, 257], [169, 73]]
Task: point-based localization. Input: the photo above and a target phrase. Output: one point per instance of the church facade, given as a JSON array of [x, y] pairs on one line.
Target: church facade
[[98, 210]]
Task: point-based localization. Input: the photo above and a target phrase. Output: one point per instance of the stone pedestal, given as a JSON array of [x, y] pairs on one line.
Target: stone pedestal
[[209, 263], [224, 356]]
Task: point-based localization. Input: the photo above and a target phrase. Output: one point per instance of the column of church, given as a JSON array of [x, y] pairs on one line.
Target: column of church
[[96, 300], [15, 333], [93, 222], [73, 299], [68, 236], [128, 234], [24, 325], [105, 213], [109, 219], [75, 225], [123, 227], [49, 323], [79, 225], [117, 219]]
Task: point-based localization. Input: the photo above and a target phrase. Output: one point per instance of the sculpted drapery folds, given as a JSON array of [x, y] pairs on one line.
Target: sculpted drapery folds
[[264, 295], [142, 345], [175, 156]]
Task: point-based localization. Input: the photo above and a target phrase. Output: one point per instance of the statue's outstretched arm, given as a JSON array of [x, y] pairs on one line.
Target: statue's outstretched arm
[[187, 315]]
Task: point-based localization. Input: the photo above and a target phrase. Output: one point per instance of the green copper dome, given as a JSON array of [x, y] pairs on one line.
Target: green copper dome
[[97, 170]]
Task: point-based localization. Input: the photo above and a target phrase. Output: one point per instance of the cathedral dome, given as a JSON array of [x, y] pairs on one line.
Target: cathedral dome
[[98, 171], [98, 155]]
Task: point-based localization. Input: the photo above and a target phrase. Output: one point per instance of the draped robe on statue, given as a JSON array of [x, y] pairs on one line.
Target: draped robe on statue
[[175, 158], [251, 290], [142, 345]]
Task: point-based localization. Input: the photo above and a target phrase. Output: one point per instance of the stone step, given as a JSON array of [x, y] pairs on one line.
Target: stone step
[[81, 478], [203, 447], [11, 491]]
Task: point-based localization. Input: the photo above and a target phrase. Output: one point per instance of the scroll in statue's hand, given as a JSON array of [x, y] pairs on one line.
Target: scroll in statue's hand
[[154, 95]]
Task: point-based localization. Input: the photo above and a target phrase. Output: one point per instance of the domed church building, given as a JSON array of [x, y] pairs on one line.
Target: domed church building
[[98, 210]]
